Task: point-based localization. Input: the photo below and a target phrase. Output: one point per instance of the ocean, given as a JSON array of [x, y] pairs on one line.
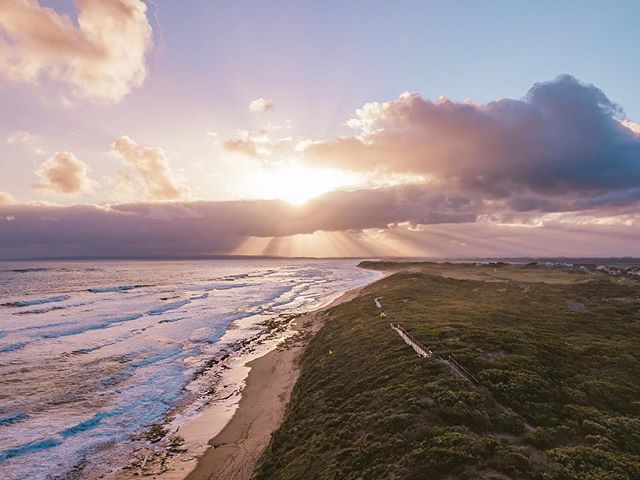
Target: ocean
[[93, 353]]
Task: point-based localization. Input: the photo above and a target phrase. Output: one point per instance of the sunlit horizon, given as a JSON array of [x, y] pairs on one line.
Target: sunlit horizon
[[173, 129]]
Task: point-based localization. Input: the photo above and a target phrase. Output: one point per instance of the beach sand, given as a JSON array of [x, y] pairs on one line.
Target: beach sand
[[234, 452]]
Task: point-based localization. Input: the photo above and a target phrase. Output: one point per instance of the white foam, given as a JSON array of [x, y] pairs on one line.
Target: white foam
[[115, 360]]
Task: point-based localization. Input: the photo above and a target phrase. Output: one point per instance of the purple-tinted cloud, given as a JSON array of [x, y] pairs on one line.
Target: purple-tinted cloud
[[200, 228], [564, 136], [511, 175], [213, 227]]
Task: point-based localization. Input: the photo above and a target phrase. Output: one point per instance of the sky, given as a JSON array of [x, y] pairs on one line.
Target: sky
[[302, 128]]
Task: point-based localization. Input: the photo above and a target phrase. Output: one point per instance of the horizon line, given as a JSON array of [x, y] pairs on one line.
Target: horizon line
[[277, 257]]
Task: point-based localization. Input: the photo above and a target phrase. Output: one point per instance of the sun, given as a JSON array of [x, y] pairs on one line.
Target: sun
[[297, 184]]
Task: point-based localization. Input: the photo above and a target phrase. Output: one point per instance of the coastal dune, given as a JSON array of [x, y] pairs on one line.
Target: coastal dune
[[537, 379]]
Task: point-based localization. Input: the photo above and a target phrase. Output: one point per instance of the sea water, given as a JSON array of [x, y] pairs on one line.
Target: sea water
[[93, 352]]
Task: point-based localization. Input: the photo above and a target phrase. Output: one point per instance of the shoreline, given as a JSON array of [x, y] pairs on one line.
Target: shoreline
[[252, 385], [234, 452], [169, 449]]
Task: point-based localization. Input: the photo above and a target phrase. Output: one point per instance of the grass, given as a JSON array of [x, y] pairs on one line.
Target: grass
[[557, 360]]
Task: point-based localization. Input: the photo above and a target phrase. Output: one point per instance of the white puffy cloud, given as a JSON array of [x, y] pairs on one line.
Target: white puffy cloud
[[64, 174], [148, 174], [101, 58], [260, 105], [6, 198]]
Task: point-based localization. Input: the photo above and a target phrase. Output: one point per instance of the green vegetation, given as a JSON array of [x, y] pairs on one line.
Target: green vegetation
[[556, 354]]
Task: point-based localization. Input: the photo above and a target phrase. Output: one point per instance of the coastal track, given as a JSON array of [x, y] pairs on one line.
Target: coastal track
[[424, 352], [457, 369]]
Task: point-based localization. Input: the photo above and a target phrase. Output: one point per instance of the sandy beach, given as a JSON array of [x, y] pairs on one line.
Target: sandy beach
[[225, 434], [234, 452]]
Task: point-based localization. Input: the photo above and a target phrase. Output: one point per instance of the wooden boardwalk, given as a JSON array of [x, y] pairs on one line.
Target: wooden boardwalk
[[424, 352], [421, 351]]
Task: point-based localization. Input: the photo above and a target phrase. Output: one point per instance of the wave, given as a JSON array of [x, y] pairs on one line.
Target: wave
[[222, 286], [200, 297], [119, 288], [171, 320], [169, 353], [12, 347], [185, 314], [168, 307], [85, 350], [231, 278], [94, 326], [28, 270], [57, 439], [90, 423], [37, 311], [120, 338], [12, 418], [30, 448], [288, 295], [28, 303], [39, 327]]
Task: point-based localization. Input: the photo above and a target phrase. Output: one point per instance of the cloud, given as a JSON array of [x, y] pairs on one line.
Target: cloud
[[149, 175], [564, 136], [26, 140], [205, 227], [260, 105], [401, 220], [262, 145], [555, 173], [6, 198], [22, 137], [64, 174], [101, 58], [251, 143], [564, 147], [633, 126]]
